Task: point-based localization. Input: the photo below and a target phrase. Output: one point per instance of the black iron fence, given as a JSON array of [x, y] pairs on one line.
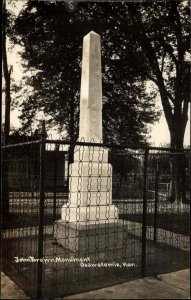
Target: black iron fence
[[114, 214]]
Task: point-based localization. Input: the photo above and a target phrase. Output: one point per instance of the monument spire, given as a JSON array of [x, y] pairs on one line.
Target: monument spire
[[91, 90]]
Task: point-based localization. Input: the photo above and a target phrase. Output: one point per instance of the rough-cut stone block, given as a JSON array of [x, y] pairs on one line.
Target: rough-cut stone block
[[83, 168], [90, 198], [90, 184], [89, 154], [89, 214]]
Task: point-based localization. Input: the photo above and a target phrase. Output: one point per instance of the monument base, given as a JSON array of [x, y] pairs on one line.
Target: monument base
[[89, 238], [89, 214]]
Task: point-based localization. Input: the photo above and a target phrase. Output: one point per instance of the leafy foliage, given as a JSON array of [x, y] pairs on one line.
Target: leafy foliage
[[162, 30], [53, 50]]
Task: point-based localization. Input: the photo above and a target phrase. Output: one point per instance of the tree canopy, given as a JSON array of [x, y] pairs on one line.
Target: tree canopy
[[162, 30], [141, 43], [52, 39]]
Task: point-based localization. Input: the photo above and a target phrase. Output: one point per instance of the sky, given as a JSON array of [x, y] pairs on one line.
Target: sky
[[159, 133]]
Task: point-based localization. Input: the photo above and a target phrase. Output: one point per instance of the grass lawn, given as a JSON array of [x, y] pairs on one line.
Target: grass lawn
[[60, 279], [23, 220], [177, 223]]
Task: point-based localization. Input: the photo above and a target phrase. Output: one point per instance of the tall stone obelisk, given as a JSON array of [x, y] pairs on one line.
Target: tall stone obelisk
[[91, 90], [90, 175]]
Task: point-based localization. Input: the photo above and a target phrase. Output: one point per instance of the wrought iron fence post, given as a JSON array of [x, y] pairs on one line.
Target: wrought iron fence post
[[55, 182], [41, 211], [189, 171], [144, 216], [156, 200], [5, 186]]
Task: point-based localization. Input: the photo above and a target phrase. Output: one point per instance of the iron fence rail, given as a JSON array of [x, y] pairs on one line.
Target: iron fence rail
[[151, 233]]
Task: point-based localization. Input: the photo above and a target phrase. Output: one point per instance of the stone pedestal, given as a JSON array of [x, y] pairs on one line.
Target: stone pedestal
[[90, 185], [89, 215], [88, 238]]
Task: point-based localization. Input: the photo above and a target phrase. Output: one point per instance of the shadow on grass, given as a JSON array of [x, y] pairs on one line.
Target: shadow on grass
[[174, 222], [24, 220]]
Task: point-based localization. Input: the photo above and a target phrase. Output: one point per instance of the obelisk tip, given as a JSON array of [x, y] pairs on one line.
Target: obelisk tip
[[92, 33]]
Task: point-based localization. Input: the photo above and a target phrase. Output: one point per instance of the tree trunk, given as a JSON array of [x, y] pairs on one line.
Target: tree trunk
[[7, 78], [177, 191], [177, 114]]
